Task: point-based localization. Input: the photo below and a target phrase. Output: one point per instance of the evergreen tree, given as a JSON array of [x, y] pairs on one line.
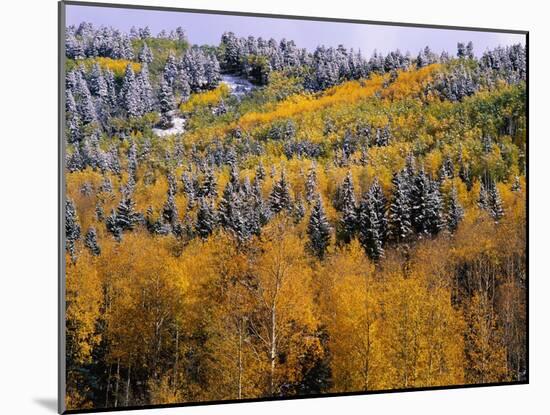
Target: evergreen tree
[[111, 88], [420, 199], [226, 206], [170, 72], [145, 55], [318, 229], [113, 226], [170, 210], [132, 161], [87, 110], [369, 225], [146, 90], [97, 83], [447, 169], [455, 212], [206, 219], [90, 241], [184, 87], [72, 228], [260, 172], [435, 218], [279, 199], [494, 202], [189, 188], [72, 118], [259, 206], [166, 104], [299, 210], [209, 187], [124, 218], [99, 212], [348, 222], [311, 184], [130, 94], [483, 198], [234, 178], [74, 160], [400, 226], [379, 203]]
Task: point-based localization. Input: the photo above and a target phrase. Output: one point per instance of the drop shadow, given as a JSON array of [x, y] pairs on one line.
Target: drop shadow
[[48, 403]]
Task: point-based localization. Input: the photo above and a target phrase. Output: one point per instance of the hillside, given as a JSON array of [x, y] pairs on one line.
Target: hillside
[[346, 224]]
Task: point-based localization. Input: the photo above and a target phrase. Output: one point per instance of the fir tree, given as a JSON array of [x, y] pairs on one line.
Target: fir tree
[[130, 94], [145, 89], [113, 226], [145, 54], [206, 219], [170, 210], [166, 104], [494, 202], [311, 184], [369, 225], [259, 205], [455, 212], [97, 83], [170, 72], [74, 161], [189, 188], [99, 212], [72, 118], [379, 203], [318, 229], [279, 199], [400, 226], [90, 241], [299, 211], [435, 218], [419, 202], [87, 108], [260, 172], [234, 178], [226, 206], [483, 198], [132, 161], [447, 169], [124, 218], [72, 228], [111, 88], [348, 222], [209, 187]]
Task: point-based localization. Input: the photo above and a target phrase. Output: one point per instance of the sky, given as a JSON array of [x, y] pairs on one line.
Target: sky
[[208, 28]]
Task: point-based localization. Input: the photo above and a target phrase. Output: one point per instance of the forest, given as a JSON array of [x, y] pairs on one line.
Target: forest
[[332, 223]]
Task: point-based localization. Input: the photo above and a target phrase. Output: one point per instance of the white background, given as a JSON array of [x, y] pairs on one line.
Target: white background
[[28, 172]]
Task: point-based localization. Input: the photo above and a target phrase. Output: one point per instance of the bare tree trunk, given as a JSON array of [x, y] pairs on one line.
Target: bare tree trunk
[[240, 358], [128, 384], [108, 386], [273, 349], [176, 355], [117, 379]]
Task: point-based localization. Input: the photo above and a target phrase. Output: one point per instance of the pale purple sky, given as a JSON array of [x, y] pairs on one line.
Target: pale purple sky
[[208, 28]]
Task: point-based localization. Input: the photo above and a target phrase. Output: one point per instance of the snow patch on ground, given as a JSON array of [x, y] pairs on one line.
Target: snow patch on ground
[[177, 128], [237, 85]]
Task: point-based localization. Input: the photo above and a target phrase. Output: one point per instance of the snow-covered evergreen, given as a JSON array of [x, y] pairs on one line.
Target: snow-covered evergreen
[[72, 228], [90, 241], [348, 221], [318, 229], [279, 198]]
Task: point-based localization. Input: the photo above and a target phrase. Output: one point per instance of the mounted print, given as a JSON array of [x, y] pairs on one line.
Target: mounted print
[[260, 207]]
